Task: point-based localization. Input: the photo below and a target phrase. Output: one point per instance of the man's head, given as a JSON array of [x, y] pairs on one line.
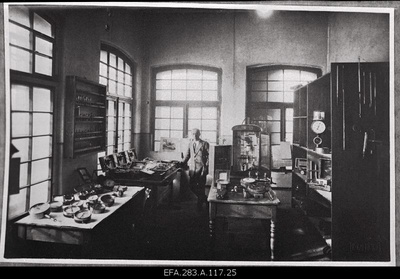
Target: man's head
[[195, 134]]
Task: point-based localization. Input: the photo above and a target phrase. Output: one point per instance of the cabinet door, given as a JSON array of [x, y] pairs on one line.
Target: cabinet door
[[360, 162]]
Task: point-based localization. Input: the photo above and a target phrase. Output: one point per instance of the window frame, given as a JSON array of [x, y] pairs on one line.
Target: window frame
[[184, 103], [119, 98], [282, 106], [31, 80]]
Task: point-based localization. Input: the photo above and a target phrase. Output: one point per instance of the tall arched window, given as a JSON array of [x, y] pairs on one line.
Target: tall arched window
[[117, 72], [269, 101], [186, 97], [33, 82]]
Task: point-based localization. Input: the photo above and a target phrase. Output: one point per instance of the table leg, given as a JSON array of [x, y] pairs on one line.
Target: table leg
[[272, 239], [211, 227]]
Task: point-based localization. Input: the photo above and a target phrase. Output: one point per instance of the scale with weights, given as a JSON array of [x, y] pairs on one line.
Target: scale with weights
[[318, 127]]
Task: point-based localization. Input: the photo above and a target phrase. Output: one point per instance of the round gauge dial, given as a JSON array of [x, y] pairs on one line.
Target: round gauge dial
[[318, 127]]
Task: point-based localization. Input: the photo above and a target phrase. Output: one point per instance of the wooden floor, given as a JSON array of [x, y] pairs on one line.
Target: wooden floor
[[181, 234]]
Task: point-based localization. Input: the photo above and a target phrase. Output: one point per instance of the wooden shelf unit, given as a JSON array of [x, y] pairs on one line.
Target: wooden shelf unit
[[85, 117], [353, 213]]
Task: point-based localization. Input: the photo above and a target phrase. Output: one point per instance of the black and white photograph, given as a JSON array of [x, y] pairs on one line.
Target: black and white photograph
[[207, 135]]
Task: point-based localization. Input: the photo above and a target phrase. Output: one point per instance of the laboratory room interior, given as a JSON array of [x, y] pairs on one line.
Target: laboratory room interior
[[206, 133]]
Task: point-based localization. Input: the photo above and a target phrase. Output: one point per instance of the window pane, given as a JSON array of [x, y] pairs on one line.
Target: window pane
[[289, 126], [275, 138], [210, 85], [44, 47], [209, 125], [128, 79], [120, 64], [23, 148], [211, 137], [103, 70], [111, 123], [194, 95], [162, 134], [194, 113], [127, 68], [164, 75], [43, 65], [289, 114], [176, 124], [112, 87], [120, 123], [259, 86], [41, 99], [103, 56], [307, 76], [179, 95], [291, 86], [120, 89], [259, 76], [127, 110], [275, 75], [41, 147], [194, 124], [103, 81], [127, 136], [273, 114], [39, 193], [163, 84], [20, 14], [127, 123], [274, 126], [275, 96], [20, 124], [289, 137], [128, 91], [207, 75], [275, 86], [156, 146], [110, 149], [178, 84], [162, 124], [292, 75], [194, 85], [21, 60], [194, 74], [163, 95], [40, 170], [210, 95], [112, 73], [111, 108], [41, 124], [288, 97], [179, 74], [41, 25], [209, 113], [19, 97], [258, 96], [20, 36], [110, 138], [23, 175], [16, 204], [113, 60], [176, 112], [177, 134], [120, 76], [163, 112]]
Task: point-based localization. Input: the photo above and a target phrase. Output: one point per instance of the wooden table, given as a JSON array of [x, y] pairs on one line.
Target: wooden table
[[66, 231], [151, 181], [235, 205]]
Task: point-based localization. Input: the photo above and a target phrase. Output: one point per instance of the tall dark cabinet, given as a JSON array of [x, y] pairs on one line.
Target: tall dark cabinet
[[342, 181], [360, 161]]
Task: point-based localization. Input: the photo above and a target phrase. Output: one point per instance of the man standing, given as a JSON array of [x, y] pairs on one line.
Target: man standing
[[197, 155]]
